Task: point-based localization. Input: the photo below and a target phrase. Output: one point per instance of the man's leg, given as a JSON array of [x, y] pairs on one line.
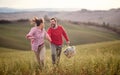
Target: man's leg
[[53, 53], [59, 50]]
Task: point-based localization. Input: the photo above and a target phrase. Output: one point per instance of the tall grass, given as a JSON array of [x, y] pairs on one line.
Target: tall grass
[[91, 59]]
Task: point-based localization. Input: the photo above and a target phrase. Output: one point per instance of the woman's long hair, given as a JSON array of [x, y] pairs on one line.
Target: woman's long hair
[[37, 21]]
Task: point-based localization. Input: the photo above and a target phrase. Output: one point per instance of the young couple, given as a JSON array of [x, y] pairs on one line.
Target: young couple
[[54, 34]]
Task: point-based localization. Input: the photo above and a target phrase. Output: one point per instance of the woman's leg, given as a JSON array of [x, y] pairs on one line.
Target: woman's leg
[[37, 56], [42, 56]]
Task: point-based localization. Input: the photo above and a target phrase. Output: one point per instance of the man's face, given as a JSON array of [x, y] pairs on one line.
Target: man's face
[[53, 23]]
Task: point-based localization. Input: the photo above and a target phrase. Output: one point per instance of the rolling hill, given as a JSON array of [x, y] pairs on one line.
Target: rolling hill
[[13, 34], [111, 16]]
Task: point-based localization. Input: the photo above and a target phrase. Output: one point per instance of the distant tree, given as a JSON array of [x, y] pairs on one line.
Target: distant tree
[[5, 21], [46, 18], [75, 22], [103, 23], [84, 10], [22, 20], [107, 25]]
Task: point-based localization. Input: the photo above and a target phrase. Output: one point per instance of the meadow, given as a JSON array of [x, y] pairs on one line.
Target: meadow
[[91, 59]]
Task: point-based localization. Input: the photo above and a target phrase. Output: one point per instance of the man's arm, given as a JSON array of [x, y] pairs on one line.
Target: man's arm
[[65, 35]]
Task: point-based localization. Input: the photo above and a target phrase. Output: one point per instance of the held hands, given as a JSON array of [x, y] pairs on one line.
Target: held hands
[[68, 43]]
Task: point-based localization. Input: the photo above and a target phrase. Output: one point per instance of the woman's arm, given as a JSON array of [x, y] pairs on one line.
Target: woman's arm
[[30, 34], [48, 37]]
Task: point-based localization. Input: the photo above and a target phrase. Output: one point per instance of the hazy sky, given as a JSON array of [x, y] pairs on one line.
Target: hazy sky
[[87, 4]]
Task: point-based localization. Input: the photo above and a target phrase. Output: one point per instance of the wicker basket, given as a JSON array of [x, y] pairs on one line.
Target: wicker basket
[[70, 51]]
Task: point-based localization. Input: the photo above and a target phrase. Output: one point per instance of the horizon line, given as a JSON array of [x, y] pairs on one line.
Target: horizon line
[[61, 9]]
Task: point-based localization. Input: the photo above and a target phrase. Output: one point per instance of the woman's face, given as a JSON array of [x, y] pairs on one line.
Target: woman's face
[[42, 25]]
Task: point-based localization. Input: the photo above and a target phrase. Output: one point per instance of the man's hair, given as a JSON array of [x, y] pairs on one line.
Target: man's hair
[[53, 19]]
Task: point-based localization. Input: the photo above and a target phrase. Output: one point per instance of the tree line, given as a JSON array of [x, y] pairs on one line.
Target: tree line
[[103, 25]]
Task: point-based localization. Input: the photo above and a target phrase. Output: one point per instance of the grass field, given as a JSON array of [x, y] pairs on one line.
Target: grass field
[[91, 59], [13, 35]]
